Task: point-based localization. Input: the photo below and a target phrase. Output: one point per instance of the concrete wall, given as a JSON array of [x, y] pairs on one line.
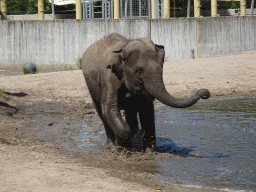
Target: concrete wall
[[177, 35], [61, 42], [225, 35]]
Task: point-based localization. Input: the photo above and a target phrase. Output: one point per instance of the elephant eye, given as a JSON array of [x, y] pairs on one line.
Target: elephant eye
[[139, 71]]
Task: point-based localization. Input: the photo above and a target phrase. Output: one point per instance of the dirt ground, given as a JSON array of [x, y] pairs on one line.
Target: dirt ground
[[29, 161]]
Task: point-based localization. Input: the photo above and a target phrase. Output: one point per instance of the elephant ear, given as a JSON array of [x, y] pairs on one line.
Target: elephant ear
[[160, 51], [115, 63]]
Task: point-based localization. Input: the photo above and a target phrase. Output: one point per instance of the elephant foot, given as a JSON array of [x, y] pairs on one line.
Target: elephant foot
[[138, 137], [109, 143], [149, 149], [129, 142]]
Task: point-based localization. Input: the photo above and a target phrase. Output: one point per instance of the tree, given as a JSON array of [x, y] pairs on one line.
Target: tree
[[205, 4], [18, 7]]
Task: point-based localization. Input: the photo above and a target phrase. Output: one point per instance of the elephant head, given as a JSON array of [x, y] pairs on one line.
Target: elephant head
[[140, 65]]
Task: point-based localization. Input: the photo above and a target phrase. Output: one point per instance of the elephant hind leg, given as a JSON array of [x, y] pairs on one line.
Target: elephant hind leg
[[109, 132]]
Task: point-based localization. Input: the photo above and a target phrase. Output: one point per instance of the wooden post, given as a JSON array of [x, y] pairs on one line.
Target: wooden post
[[41, 9], [78, 9], [153, 14], [3, 9], [166, 9], [214, 8], [116, 9], [243, 7], [197, 8]]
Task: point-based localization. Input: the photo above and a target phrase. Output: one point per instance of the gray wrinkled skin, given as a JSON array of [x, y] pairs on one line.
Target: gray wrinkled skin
[[124, 74]]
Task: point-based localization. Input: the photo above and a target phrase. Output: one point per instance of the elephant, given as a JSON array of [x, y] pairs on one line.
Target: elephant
[[126, 75]]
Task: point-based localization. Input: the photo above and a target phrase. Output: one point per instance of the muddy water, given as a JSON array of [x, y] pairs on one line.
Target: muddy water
[[210, 145], [216, 144]]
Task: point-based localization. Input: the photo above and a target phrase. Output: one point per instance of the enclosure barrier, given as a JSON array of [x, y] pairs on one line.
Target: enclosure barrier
[[214, 8], [243, 7], [197, 8], [60, 42], [116, 9], [78, 9], [155, 8], [40, 9], [3, 9]]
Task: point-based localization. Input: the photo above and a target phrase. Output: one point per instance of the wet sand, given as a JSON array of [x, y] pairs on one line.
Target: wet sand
[[28, 162]]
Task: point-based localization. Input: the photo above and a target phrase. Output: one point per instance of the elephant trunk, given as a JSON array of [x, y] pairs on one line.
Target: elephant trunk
[[157, 89]]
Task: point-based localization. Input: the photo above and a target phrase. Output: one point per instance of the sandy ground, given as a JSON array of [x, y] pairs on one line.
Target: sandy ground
[[35, 166]]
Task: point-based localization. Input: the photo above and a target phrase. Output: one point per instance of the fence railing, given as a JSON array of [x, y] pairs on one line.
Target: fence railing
[[132, 8]]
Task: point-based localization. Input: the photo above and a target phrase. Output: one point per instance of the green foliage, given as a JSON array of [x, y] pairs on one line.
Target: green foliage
[[232, 106], [68, 67], [181, 4], [38, 70], [3, 97], [51, 113], [64, 8], [228, 4], [96, 4], [205, 4], [78, 60], [26, 72], [234, 4], [18, 7]]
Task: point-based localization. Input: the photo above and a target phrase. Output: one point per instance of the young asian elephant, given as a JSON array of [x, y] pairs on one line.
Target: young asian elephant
[[124, 74]]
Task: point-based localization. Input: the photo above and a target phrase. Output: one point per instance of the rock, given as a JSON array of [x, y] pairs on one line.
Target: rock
[[29, 68]]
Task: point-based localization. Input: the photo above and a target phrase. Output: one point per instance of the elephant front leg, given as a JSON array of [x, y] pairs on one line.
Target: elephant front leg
[[132, 121], [147, 120], [113, 118], [109, 132]]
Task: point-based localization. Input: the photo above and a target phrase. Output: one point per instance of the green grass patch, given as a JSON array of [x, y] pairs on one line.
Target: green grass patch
[[38, 70], [51, 113], [3, 96], [31, 114], [68, 67], [25, 71], [245, 106], [78, 60]]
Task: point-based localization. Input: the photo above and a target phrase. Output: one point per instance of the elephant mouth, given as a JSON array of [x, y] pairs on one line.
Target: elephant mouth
[[138, 90]]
